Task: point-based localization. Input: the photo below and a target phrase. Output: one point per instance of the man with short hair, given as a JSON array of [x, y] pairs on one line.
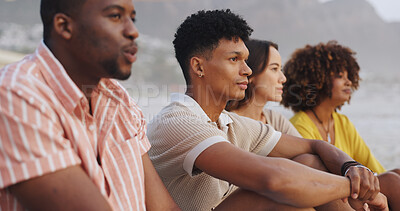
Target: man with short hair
[[71, 138], [204, 153]]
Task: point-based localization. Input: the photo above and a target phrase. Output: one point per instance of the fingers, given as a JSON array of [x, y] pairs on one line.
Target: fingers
[[378, 203], [356, 204], [366, 207], [364, 185], [354, 177], [377, 187]]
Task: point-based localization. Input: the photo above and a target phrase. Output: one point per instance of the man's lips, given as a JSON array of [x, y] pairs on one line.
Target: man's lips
[[242, 85], [130, 53]]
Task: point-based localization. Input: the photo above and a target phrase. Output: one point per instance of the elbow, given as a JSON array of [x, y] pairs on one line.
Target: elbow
[[280, 184], [273, 178]]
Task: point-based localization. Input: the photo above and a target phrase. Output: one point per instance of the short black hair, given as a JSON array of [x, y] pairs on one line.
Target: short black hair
[[48, 8], [201, 32]]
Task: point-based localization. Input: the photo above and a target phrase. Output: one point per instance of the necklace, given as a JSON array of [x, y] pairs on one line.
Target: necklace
[[320, 122]]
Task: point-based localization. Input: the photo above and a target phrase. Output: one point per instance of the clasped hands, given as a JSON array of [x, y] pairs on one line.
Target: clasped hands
[[365, 190]]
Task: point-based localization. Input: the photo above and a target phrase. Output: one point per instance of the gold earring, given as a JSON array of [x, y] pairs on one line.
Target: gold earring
[[201, 75]]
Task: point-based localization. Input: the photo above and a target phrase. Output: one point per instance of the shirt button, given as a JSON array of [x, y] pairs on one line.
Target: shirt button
[[31, 100], [92, 127], [42, 108], [19, 93]]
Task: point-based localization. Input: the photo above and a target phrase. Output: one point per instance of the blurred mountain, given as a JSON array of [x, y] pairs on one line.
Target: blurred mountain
[[24, 12], [290, 23]]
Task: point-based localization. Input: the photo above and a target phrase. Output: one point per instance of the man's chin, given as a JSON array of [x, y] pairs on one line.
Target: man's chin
[[238, 96], [122, 74]]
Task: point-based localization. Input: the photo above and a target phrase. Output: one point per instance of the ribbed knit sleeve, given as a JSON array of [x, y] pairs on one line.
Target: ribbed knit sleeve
[[173, 133], [178, 132], [251, 135]]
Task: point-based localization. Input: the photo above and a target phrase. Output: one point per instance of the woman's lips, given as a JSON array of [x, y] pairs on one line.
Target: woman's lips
[[347, 91]]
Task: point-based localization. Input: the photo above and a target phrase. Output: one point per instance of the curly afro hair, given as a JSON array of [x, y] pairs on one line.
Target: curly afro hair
[[201, 32], [257, 61], [310, 72]]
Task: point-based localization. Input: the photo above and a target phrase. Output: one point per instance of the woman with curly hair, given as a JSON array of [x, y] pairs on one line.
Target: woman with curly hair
[[320, 79], [265, 84]]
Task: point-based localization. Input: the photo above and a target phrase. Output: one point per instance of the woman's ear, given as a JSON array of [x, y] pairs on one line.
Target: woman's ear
[[196, 66], [62, 25]]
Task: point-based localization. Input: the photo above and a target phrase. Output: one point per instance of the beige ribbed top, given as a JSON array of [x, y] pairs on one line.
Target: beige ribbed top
[[280, 123], [181, 131]]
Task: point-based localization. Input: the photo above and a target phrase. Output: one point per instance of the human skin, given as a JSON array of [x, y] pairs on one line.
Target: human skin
[[268, 87], [97, 42], [341, 93], [223, 77]]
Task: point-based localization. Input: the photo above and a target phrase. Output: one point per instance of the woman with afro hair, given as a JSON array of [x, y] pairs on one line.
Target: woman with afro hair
[[320, 79]]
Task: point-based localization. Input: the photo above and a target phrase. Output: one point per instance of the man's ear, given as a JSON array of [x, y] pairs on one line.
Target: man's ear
[[196, 66], [62, 25]]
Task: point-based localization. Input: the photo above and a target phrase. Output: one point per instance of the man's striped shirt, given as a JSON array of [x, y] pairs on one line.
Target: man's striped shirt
[[46, 125]]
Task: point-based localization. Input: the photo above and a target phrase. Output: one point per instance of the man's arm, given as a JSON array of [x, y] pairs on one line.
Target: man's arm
[[157, 196], [290, 147], [66, 189], [364, 185], [279, 179]]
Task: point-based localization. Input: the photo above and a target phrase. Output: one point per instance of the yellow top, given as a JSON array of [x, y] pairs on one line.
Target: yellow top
[[346, 138]]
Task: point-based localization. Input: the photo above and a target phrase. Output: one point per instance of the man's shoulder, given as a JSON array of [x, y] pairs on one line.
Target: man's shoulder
[[24, 79], [174, 110], [23, 71], [241, 120]]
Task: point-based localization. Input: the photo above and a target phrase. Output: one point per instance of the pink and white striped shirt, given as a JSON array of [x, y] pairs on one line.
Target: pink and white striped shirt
[[45, 126]]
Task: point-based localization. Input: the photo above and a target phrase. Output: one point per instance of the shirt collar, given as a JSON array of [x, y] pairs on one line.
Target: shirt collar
[[57, 78], [224, 120]]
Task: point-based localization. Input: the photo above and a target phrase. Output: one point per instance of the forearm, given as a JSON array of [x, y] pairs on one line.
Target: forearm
[[300, 186], [279, 179], [157, 196], [332, 157], [52, 192]]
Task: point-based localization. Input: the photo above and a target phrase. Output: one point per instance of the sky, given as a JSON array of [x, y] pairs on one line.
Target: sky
[[389, 10]]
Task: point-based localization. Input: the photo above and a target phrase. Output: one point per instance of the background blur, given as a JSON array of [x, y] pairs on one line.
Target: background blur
[[369, 27]]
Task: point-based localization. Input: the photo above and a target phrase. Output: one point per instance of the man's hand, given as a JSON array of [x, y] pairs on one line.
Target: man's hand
[[379, 203], [157, 196], [364, 184]]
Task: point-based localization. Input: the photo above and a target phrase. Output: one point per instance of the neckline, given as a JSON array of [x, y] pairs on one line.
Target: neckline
[[326, 130]]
